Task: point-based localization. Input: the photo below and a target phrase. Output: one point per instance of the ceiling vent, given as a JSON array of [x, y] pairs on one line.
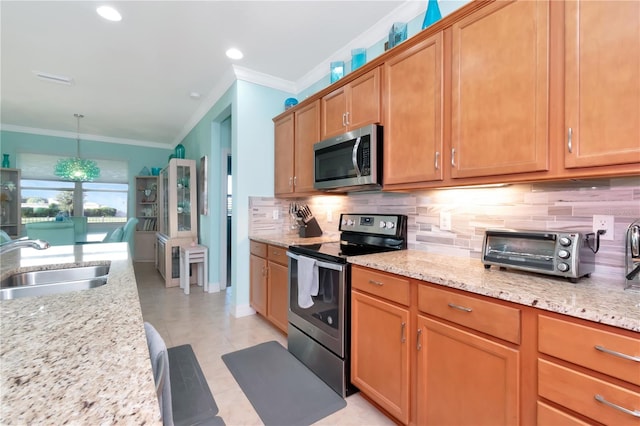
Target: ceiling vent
[[60, 79]]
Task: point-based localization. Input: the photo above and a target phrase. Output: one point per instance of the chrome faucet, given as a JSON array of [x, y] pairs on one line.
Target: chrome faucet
[[16, 244]]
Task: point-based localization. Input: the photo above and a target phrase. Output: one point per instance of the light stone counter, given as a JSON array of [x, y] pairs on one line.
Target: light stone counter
[[592, 299], [286, 240], [80, 357]]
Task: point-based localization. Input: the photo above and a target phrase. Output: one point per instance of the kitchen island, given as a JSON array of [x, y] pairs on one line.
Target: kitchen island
[[79, 357]]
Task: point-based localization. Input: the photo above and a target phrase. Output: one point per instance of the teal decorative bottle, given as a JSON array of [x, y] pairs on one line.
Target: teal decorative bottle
[[432, 15], [5, 161], [179, 151]]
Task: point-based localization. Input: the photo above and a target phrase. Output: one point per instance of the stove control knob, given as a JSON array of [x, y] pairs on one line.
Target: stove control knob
[[565, 241], [344, 222], [390, 225], [563, 254], [563, 267], [382, 224], [351, 222]]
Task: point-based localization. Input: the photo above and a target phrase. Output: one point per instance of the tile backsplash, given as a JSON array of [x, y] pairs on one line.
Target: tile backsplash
[[566, 205]]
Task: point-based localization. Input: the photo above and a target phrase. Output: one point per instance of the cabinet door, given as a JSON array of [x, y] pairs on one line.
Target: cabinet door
[[258, 284], [500, 87], [602, 83], [413, 114], [307, 133], [363, 103], [464, 379], [334, 108], [278, 295], [284, 146], [380, 354]]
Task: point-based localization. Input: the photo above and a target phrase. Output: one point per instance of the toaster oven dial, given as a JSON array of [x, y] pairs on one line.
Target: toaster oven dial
[[565, 241], [563, 254], [563, 267]]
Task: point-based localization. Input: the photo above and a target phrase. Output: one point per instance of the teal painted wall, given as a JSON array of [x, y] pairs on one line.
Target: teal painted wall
[[137, 157], [250, 136]]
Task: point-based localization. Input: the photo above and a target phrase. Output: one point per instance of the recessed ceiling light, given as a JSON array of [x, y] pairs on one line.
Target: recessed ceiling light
[[234, 53], [194, 95], [109, 13]]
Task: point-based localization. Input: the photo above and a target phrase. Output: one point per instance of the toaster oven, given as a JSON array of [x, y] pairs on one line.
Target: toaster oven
[[564, 254]]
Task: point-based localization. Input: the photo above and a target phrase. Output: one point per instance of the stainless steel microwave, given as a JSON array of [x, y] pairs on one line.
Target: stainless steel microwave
[[350, 162]]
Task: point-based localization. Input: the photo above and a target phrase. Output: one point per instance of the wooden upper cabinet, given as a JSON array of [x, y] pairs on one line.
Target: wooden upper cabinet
[[413, 108], [500, 90], [284, 144], [602, 83], [307, 133], [351, 106]]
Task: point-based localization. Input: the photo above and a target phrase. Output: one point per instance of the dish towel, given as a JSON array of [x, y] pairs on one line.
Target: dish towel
[[307, 281]]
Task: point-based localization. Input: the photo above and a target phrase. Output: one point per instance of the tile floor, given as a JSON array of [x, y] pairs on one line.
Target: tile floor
[[203, 321]]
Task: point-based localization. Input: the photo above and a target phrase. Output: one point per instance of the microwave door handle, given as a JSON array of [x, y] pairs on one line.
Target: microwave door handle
[[354, 156]]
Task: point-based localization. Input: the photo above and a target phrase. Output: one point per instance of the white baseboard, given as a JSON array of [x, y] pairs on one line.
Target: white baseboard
[[214, 287], [239, 311]]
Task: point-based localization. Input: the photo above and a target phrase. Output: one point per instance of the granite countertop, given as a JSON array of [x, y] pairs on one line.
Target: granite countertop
[[79, 357], [286, 240], [594, 299]]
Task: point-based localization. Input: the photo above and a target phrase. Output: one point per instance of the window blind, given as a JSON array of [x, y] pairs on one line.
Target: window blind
[[40, 167]]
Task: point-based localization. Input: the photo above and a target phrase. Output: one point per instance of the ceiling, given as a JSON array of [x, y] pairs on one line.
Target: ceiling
[[132, 79]]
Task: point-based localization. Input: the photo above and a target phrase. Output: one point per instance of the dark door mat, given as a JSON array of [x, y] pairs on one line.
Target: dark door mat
[[282, 390], [191, 398]]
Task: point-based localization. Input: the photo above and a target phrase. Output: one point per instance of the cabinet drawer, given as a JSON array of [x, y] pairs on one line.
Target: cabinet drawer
[[548, 416], [588, 347], [384, 285], [278, 255], [497, 320], [259, 249], [577, 391]]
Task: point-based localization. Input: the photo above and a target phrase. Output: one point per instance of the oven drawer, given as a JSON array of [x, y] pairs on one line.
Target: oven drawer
[[580, 393], [589, 347], [388, 286], [259, 249], [278, 255], [496, 320]]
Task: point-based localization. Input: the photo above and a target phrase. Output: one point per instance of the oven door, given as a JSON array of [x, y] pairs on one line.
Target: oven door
[[324, 320]]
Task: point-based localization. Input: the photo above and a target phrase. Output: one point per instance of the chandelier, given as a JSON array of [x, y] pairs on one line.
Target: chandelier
[[77, 169]]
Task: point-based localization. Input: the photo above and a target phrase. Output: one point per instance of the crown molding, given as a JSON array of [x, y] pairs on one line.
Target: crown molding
[[83, 136], [246, 74]]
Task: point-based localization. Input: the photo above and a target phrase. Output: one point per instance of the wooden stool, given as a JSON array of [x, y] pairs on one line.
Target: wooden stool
[[194, 254]]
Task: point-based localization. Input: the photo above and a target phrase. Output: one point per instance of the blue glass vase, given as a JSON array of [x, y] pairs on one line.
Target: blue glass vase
[[179, 151], [432, 15], [5, 161]]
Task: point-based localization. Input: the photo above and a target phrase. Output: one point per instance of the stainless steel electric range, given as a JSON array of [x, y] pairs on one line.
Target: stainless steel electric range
[[320, 289]]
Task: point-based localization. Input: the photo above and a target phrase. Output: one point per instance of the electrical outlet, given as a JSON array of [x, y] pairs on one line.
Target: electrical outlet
[[445, 221], [329, 215], [603, 222], [275, 215]]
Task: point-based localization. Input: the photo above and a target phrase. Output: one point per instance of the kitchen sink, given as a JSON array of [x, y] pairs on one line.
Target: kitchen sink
[[53, 281]]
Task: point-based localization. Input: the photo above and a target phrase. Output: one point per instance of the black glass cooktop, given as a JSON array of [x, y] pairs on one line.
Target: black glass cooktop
[[335, 251]]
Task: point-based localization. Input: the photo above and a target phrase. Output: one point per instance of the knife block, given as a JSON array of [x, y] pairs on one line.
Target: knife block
[[310, 229]]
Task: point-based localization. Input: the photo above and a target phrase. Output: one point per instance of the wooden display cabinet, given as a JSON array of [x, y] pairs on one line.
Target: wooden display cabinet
[[147, 214], [10, 214], [177, 220]]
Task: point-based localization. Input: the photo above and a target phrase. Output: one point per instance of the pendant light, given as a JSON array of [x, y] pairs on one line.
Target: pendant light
[[77, 169]]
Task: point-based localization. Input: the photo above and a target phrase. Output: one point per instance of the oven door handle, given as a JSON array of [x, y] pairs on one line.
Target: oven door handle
[[320, 263]]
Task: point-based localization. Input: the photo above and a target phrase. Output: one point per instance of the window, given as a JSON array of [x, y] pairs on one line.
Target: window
[[44, 195]]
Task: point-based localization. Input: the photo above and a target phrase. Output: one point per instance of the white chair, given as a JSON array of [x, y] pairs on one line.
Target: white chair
[[160, 365]]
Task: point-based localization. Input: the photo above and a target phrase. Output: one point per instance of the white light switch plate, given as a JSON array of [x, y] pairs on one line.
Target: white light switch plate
[[445, 221]]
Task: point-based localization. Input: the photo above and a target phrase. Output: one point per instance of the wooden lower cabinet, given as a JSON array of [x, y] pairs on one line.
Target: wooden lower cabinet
[[464, 379], [269, 281], [380, 352]]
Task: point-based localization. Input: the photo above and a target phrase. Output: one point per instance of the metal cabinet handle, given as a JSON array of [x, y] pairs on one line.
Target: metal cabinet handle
[[418, 344], [460, 308], [402, 329], [570, 140], [344, 120], [453, 157], [290, 181], [618, 354], [378, 283], [634, 413], [347, 114], [295, 181], [437, 162]]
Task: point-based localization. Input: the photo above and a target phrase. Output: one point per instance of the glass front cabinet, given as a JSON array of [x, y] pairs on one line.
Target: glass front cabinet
[[10, 202], [177, 221]]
